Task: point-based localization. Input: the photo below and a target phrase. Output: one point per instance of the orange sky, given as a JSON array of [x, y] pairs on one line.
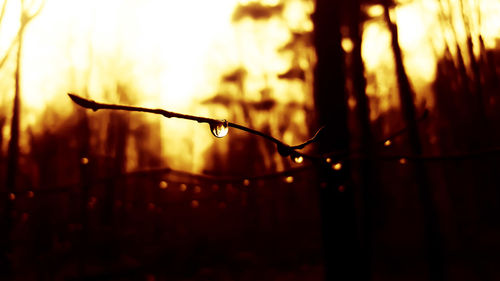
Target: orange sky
[[172, 54]]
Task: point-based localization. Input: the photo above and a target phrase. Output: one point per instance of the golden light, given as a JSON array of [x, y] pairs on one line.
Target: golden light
[[375, 10], [163, 184], [183, 187], [195, 204], [298, 159], [161, 54], [84, 161], [246, 182], [387, 143], [402, 161], [168, 54], [347, 45], [337, 166], [422, 36], [289, 179]]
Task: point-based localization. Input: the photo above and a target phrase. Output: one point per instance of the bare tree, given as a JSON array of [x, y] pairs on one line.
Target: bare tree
[[26, 17]]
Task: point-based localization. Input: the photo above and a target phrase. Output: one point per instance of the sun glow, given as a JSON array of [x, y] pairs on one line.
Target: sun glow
[[160, 54], [223, 59], [423, 28]]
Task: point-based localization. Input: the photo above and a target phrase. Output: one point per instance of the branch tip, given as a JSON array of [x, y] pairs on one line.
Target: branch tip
[[83, 102]]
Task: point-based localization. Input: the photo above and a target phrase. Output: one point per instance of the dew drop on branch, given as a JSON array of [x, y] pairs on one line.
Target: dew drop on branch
[[298, 159], [337, 166], [219, 128]]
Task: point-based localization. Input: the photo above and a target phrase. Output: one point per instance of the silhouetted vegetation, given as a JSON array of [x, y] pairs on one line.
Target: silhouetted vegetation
[[422, 205]]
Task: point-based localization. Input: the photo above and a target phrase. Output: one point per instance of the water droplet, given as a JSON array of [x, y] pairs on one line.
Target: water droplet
[[387, 143], [289, 179], [163, 184], [298, 159], [219, 128], [337, 166], [195, 204]]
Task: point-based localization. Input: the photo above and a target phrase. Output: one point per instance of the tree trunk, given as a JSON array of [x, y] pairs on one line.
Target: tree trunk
[[435, 255], [337, 208]]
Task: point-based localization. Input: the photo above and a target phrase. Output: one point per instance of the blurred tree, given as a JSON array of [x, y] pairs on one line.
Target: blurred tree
[[337, 208], [28, 13]]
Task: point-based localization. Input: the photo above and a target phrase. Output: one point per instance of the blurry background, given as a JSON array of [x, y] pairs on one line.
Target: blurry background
[[128, 196]]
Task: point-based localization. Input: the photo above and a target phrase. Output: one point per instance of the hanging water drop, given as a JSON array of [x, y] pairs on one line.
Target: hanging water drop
[[219, 128], [246, 182], [337, 166], [298, 159], [163, 184], [195, 204]]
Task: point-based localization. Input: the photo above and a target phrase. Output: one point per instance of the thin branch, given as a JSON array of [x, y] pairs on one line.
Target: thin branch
[[283, 149], [24, 22], [344, 154], [27, 18], [12, 45], [2, 14]]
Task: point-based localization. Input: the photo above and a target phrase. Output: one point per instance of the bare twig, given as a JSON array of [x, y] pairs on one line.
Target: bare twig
[[283, 149], [9, 50], [2, 14]]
